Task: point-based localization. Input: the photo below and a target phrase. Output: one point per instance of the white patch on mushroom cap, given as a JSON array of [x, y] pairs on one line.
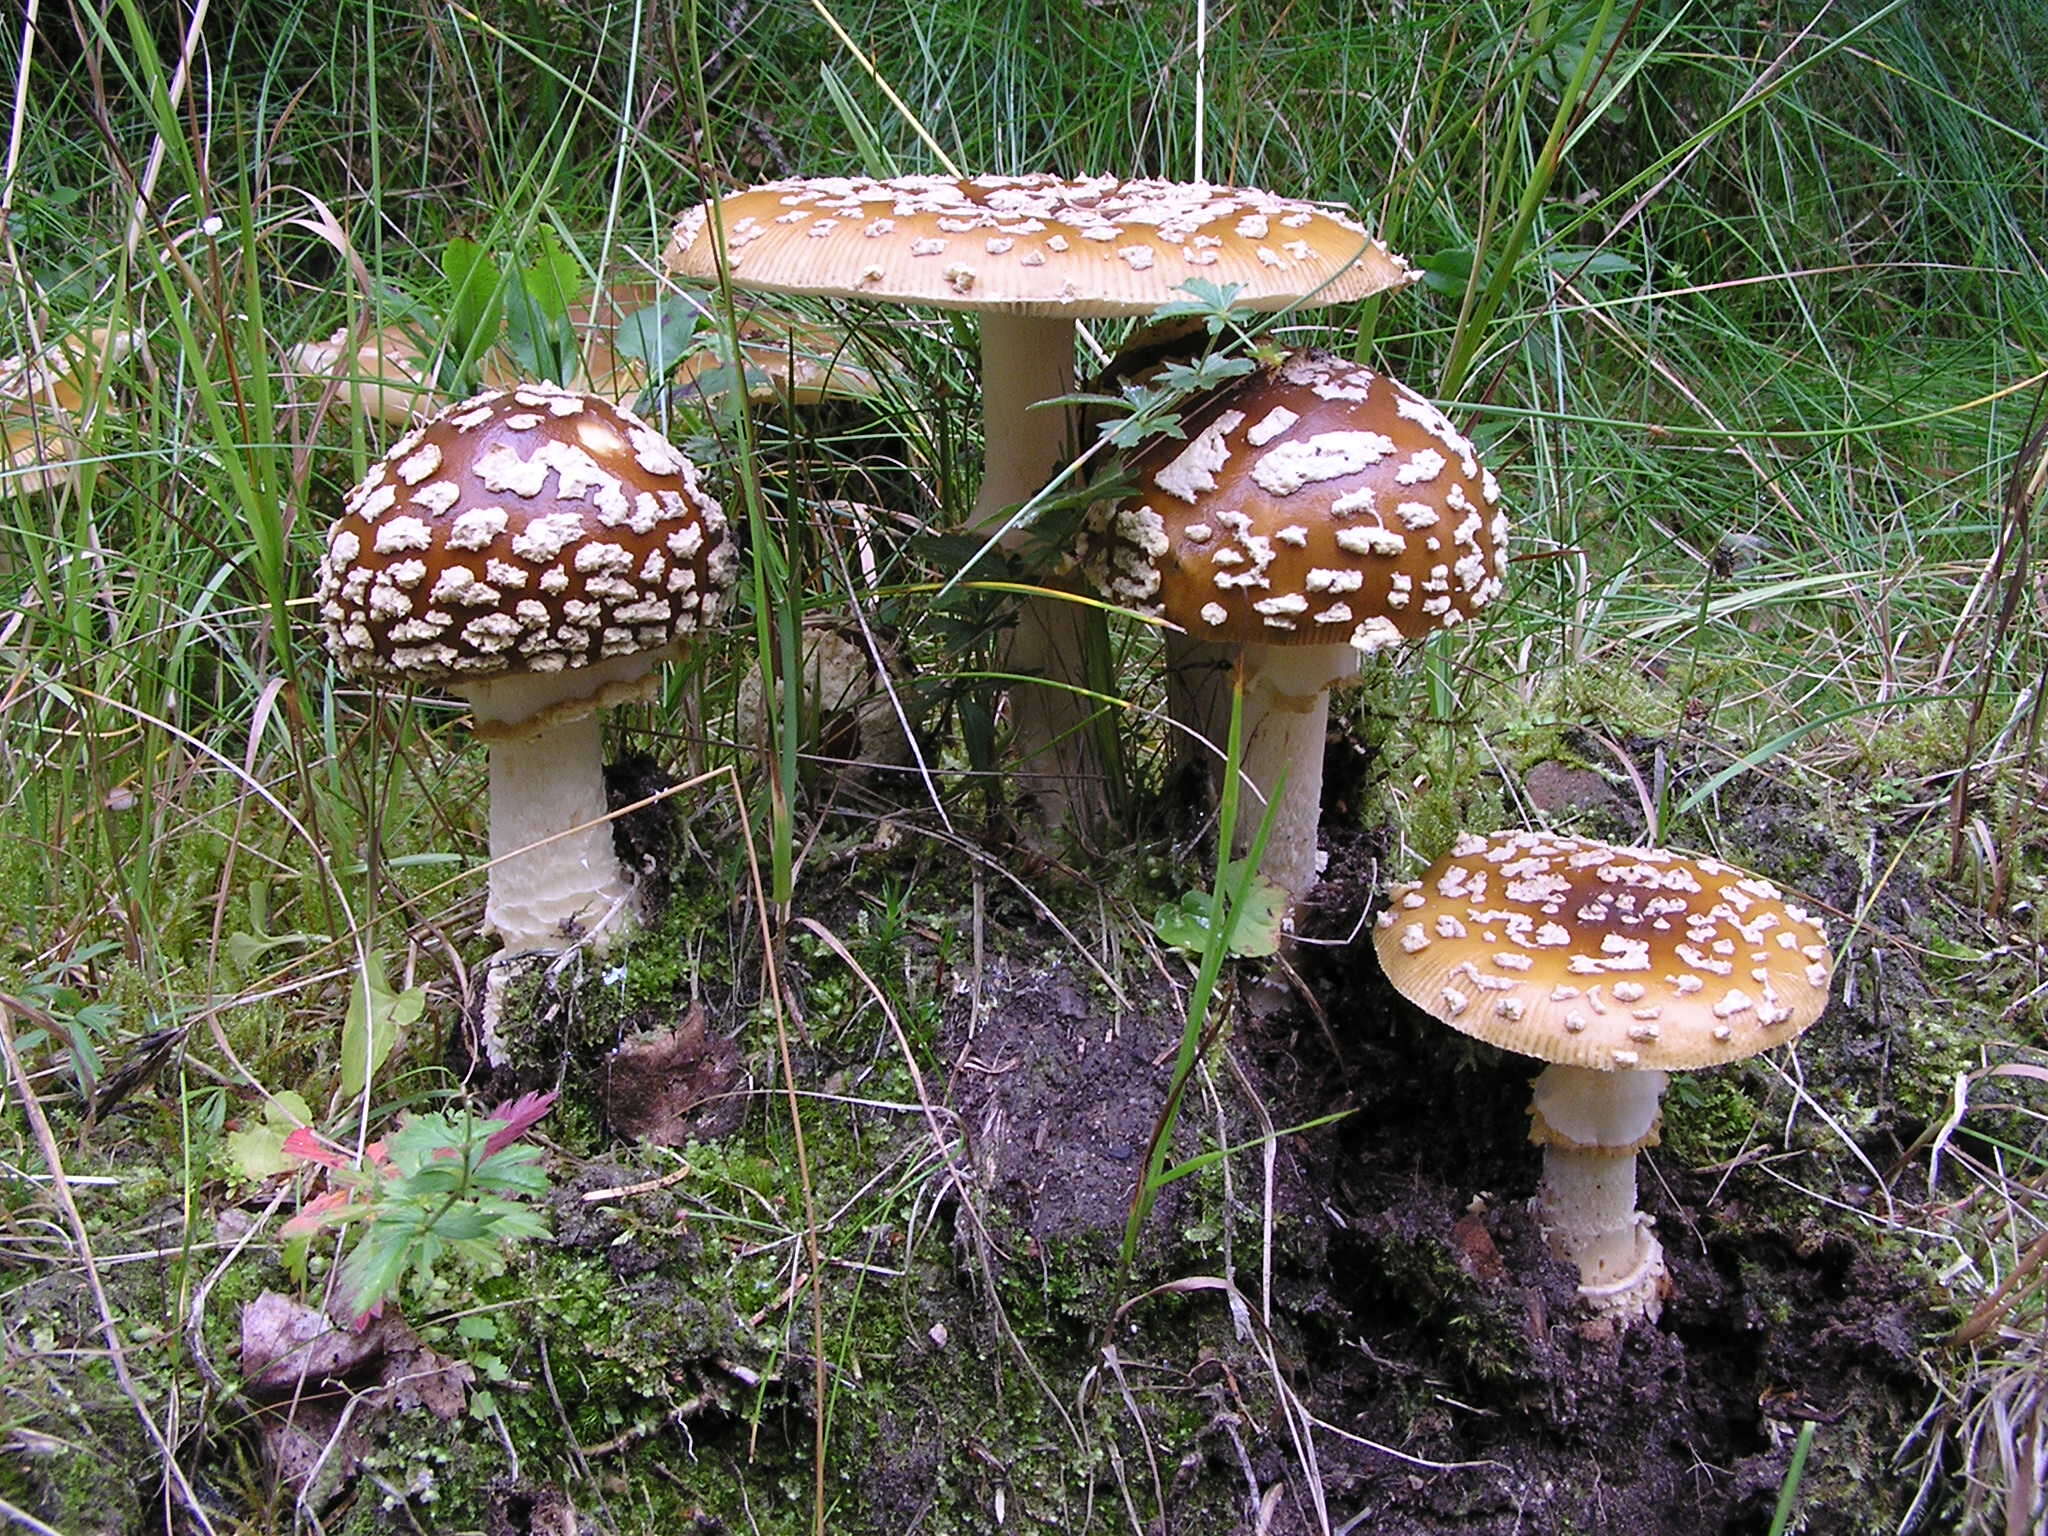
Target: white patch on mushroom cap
[[1287, 467], [1376, 634], [545, 537], [477, 528], [1370, 541], [397, 534], [1192, 471], [1270, 426]]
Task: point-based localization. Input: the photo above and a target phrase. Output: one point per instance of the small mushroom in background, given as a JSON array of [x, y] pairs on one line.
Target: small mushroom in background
[[1616, 966], [43, 400], [387, 373], [540, 553], [1033, 255], [851, 718], [1317, 512]]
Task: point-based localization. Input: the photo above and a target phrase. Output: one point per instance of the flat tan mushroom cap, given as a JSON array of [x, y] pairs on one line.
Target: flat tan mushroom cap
[[528, 530], [1311, 503], [1611, 958], [1034, 244]]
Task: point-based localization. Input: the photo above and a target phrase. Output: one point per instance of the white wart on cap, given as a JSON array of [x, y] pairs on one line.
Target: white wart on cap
[[1605, 957]]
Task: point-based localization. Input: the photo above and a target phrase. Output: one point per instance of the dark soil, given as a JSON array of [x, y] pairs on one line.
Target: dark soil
[[1414, 1306], [1354, 1327]]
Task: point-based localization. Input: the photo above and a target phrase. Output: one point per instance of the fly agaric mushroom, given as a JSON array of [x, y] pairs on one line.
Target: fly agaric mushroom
[[539, 552], [1032, 254], [1316, 513], [1616, 966]]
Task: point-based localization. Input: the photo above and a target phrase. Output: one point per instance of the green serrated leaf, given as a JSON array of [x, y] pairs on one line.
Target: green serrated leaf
[[463, 1224], [1448, 271], [374, 1267], [1214, 302], [537, 328], [475, 301], [258, 1150]]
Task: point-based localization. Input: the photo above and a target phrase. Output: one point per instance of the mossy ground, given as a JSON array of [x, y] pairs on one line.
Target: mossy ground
[[1360, 1315]]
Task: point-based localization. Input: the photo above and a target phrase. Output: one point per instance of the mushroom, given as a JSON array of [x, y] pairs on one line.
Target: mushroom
[[1032, 254], [43, 399], [1317, 512], [1616, 966], [539, 552], [388, 372]]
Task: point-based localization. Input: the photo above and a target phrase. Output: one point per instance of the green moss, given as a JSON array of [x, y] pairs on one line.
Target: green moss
[[1709, 1117]]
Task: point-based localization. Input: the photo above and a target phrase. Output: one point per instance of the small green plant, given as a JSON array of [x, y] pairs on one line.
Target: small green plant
[[1222, 920], [64, 1016], [443, 1185], [1254, 925]]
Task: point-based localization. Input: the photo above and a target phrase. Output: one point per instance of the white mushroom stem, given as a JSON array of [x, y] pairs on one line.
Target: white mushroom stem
[[1026, 359], [1286, 719], [555, 877], [1590, 1125]]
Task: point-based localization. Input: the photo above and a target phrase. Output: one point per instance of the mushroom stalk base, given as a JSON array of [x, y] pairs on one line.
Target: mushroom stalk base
[[1587, 1204], [1286, 719], [1590, 1125]]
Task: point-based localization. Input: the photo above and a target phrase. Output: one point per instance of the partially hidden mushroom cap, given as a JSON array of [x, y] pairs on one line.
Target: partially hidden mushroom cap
[[1096, 245], [1611, 958], [529, 530], [42, 397], [1313, 502]]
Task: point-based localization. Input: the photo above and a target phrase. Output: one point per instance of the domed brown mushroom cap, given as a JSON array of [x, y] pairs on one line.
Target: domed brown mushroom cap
[[528, 530], [1311, 503], [1034, 244], [1615, 959]]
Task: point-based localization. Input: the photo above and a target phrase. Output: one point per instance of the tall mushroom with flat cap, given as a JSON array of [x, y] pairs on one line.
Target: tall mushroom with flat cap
[[1616, 966], [539, 552], [1317, 512], [1032, 255]]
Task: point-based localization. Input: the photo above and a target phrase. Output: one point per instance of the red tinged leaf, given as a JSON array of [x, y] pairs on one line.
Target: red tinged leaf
[[305, 1142], [316, 1213], [520, 1116]]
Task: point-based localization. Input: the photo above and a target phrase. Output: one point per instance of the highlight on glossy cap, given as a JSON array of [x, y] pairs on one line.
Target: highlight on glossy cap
[[526, 530], [1095, 245], [1611, 958], [1314, 502]]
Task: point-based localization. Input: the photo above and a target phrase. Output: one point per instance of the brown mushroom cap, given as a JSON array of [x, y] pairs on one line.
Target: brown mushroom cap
[[530, 530], [1097, 245], [1615, 959], [1312, 502]]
